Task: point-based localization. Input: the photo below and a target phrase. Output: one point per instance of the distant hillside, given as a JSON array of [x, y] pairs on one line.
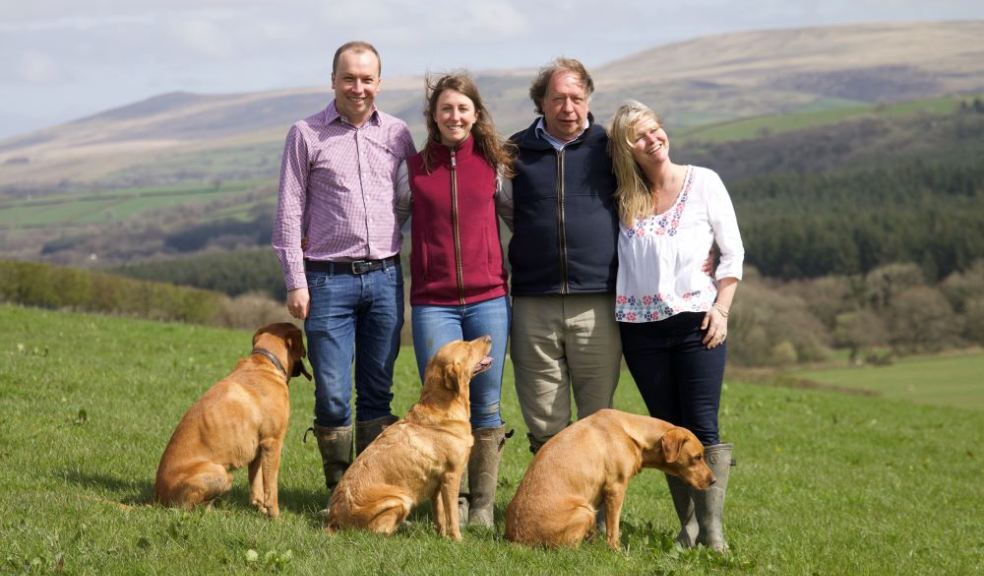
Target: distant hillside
[[183, 137]]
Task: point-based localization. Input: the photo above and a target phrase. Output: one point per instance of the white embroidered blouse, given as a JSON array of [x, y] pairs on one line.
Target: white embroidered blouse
[[660, 258]]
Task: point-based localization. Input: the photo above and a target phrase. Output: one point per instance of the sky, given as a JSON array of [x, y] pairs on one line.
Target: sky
[[61, 60]]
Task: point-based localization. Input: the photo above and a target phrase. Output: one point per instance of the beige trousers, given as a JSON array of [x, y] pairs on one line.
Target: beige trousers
[[563, 346]]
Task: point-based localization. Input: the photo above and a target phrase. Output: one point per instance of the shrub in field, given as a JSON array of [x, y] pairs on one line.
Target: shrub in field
[[829, 296], [962, 287], [921, 320], [774, 327], [46, 286], [884, 283], [251, 310], [858, 331], [974, 321], [233, 272]]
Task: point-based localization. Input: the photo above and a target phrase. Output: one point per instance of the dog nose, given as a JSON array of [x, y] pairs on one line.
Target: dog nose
[[487, 339]]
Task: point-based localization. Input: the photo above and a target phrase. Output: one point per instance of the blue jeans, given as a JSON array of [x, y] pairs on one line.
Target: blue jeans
[[435, 326], [678, 377], [360, 317]]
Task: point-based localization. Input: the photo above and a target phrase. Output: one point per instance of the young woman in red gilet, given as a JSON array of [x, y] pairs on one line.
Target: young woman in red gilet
[[459, 284]]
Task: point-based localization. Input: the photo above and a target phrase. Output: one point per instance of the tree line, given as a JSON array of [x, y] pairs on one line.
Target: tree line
[[892, 310]]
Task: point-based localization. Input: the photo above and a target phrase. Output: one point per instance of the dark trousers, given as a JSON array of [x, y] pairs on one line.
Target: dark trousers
[[678, 377]]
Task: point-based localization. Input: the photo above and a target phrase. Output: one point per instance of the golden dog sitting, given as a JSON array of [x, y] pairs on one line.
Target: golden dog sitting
[[421, 457], [588, 465], [240, 420]]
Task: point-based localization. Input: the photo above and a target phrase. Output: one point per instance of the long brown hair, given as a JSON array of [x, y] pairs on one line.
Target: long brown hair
[[496, 151]]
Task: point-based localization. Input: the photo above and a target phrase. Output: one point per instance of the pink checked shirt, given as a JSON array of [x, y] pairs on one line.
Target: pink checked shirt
[[337, 191]]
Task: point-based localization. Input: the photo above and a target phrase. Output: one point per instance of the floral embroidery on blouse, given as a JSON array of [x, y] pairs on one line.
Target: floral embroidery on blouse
[[650, 308], [669, 221], [641, 299]]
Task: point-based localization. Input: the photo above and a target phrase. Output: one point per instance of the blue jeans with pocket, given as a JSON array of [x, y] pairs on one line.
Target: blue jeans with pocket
[[678, 377], [353, 316], [435, 326]]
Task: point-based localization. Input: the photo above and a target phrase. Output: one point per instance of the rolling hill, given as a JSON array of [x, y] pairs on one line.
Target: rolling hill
[[182, 137]]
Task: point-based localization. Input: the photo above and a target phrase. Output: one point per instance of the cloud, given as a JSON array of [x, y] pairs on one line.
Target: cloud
[[36, 67], [75, 23], [439, 22], [203, 37]]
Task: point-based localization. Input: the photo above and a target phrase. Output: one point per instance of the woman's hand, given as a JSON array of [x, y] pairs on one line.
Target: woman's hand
[[715, 323]]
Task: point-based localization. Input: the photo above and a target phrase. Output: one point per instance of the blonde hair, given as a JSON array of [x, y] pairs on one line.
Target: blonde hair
[[633, 196]]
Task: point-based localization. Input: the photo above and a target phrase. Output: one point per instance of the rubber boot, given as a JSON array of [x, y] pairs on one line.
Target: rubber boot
[[709, 504], [483, 474], [366, 432], [335, 445], [684, 505]]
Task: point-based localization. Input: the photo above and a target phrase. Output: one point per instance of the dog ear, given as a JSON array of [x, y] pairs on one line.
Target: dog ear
[[452, 376], [672, 443], [295, 343]]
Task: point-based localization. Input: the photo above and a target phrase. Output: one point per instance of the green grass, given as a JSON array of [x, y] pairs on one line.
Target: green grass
[[953, 380], [110, 205], [826, 483], [820, 113]]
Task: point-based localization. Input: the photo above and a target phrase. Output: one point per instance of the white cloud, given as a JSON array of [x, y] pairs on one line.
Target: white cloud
[[76, 23], [35, 67], [202, 37], [103, 51]]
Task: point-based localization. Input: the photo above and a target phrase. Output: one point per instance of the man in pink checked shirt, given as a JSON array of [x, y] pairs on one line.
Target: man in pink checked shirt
[[338, 242]]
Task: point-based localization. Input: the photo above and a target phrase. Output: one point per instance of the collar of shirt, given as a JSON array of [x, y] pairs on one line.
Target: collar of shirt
[[332, 115], [557, 143]]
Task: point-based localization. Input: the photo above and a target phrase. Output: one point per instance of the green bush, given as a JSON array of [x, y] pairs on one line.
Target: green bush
[[47, 286]]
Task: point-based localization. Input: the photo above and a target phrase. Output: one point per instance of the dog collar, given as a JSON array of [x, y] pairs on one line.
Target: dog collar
[[269, 356]]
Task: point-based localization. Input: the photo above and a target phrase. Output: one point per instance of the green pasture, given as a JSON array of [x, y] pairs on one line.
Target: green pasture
[[821, 113], [952, 380], [232, 162], [826, 483], [109, 205]]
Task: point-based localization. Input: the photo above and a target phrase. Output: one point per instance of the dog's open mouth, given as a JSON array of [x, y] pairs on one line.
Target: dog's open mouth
[[483, 365]]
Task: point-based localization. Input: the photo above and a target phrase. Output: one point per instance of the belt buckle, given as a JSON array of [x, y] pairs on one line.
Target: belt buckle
[[361, 267]]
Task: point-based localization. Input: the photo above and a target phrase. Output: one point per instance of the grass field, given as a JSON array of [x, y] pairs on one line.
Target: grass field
[[109, 205], [826, 112], [826, 483], [954, 380]]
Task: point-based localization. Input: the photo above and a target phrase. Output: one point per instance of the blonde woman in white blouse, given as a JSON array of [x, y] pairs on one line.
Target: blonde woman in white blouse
[[673, 316]]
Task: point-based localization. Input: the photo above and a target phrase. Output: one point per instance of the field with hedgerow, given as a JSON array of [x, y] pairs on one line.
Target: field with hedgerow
[[827, 482]]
